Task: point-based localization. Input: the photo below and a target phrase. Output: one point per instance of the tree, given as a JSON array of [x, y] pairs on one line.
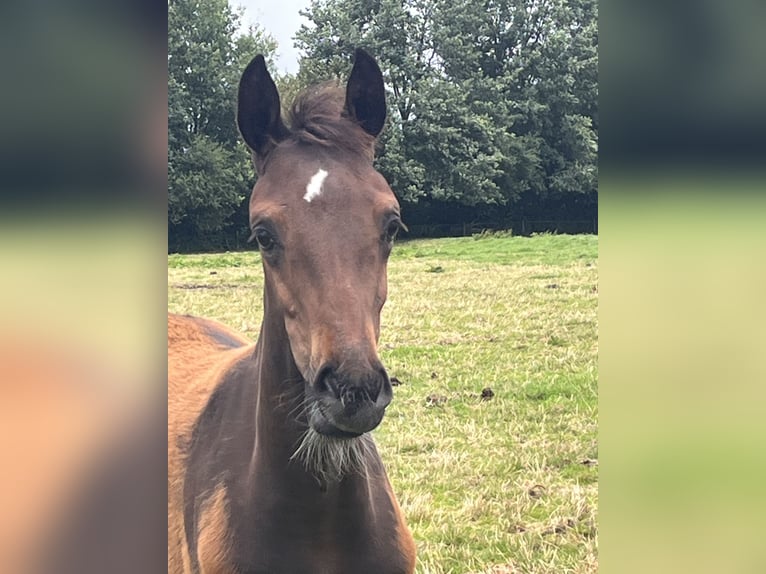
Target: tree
[[537, 63], [487, 100], [209, 171]]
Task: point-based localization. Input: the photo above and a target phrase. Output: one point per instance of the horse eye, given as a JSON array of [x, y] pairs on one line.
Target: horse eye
[[392, 230], [265, 240]]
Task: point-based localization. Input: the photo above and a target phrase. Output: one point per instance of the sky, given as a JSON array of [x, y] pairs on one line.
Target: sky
[[279, 18]]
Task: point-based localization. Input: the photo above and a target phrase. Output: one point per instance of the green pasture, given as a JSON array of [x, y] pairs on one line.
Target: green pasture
[[502, 484]]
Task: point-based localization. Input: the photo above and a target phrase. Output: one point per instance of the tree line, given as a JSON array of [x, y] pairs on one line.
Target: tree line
[[493, 107]]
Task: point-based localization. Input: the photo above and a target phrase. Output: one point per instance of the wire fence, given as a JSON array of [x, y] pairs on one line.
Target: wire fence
[[515, 227]]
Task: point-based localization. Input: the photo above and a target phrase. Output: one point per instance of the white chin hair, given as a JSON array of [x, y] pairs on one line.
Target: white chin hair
[[330, 458]]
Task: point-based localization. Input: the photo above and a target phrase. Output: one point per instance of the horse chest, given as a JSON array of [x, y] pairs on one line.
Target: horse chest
[[312, 557], [292, 538]]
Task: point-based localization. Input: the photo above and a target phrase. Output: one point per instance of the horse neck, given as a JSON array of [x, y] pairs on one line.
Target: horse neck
[[279, 392], [279, 422]]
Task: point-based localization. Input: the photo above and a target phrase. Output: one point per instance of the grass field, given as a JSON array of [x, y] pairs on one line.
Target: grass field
[[500, 485]]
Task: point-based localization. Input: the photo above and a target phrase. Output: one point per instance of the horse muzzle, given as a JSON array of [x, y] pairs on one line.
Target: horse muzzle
[[348, 404]]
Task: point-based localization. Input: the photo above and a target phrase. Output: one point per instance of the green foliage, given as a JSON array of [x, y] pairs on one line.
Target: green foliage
[[207, 185], [209, 171], [488, 100]]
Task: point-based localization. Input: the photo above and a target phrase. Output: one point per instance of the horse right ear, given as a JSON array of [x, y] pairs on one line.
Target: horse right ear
[[259, 116]]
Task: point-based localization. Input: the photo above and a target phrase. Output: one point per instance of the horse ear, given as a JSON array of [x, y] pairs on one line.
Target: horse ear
[[366, 94], [259, 116]]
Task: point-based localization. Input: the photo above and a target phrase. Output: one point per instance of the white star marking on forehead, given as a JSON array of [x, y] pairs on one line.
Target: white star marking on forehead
[[314, 186]]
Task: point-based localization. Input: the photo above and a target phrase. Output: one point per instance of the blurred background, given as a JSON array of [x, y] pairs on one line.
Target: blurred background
[[682, 319], [83, 159], [83, 244]]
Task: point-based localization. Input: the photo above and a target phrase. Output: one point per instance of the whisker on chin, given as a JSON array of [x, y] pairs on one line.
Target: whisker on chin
[[330, 458], [327, 458]]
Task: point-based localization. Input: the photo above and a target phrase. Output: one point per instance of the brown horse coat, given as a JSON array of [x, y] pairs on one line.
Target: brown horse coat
[[270, 466], [291, 525]]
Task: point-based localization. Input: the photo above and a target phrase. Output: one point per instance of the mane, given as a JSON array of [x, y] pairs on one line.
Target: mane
[[317, 116]]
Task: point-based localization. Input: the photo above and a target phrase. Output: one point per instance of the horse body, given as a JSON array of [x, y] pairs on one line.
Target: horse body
[[238, 503], [270, 466]]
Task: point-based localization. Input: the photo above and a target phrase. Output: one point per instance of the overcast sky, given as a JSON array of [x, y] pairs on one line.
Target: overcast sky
[[279, 18]]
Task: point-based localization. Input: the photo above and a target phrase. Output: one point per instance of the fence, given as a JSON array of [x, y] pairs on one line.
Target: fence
[[516, 227]]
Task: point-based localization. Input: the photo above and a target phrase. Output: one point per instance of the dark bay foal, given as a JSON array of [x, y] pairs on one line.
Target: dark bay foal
[[271, 468]]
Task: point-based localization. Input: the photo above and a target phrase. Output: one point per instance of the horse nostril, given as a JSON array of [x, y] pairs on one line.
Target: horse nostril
[[349, 388], [376, 384], [325, 381]]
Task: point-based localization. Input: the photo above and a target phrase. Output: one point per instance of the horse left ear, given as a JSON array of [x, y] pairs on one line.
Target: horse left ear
[[366, 94]]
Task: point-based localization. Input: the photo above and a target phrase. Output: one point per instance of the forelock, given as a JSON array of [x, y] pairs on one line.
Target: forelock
[[317, 116]]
